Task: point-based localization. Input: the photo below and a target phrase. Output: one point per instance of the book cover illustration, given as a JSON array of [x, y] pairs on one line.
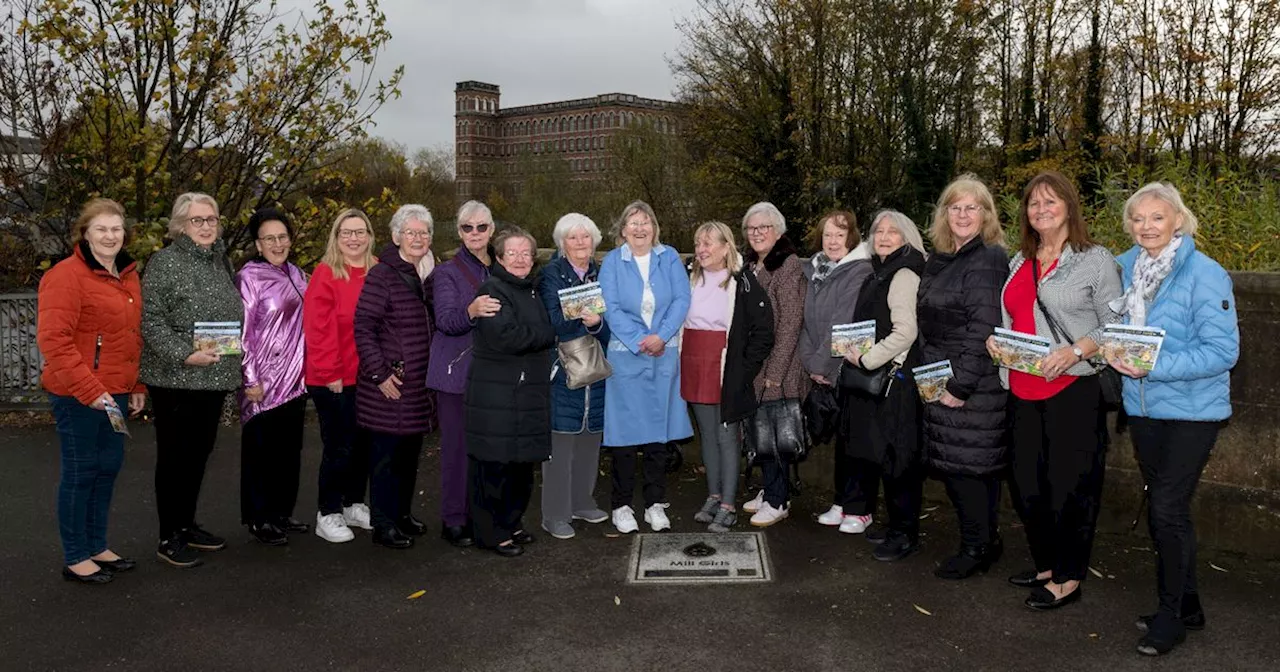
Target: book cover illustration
[[1138, 347], [1020, 352], [846, 337], [576, 301], [931, 379], [222, 337], [116, 416]]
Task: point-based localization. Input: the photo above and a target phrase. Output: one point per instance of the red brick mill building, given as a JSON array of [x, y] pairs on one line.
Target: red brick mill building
[[496, 146]]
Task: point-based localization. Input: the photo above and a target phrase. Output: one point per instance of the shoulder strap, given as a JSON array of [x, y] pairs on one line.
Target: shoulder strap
[[467, 272], [1059, 334]]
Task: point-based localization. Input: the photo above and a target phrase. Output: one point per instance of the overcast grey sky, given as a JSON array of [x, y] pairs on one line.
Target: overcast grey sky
[[536, 50]]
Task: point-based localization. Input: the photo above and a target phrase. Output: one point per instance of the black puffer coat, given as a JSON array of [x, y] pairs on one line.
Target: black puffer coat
[[958, 308], [508, 396]]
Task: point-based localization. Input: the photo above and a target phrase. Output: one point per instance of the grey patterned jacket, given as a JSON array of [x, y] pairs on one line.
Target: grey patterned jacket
[[1076, 291]]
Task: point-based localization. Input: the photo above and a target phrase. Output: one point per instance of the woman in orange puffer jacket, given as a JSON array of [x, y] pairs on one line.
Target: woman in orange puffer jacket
[[90, 312]]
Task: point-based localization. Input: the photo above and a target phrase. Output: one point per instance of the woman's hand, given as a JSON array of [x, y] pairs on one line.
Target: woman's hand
[[1057, 362], [203, 357], [254, 394], [101, 403], [991, 346], [335, 386], [652, 345], [819, 379], [950, 401], [853, 357], [590, 319], [1125, 369], [483, 306], [137, 401], [390, 387], [769, 383]]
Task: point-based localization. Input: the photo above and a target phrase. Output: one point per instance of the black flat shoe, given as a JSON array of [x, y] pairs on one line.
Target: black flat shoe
[[392, 538], [895, 547], [508, 550], [100, 576], [876, 535], [1156, 645], [969, 561], [1043, 600], [1027, 579], [292, 525], [268, 534], [523, 538], [458, 535], [411, 526], [117, 566]]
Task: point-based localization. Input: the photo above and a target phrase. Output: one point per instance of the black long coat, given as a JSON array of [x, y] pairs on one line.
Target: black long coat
[[958, 308], [749, 344], [508, 396]]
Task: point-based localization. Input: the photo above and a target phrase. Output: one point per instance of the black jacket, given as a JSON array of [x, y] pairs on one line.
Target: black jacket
[[957, 309], [508, 397], [749, 344]]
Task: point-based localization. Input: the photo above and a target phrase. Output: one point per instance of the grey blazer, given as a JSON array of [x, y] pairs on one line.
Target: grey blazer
[[1077, 292]]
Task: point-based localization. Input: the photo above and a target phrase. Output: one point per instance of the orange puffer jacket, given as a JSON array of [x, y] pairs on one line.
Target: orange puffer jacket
[[88, 327]]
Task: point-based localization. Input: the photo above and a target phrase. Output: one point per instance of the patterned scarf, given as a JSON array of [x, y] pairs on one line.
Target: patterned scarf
[[1148, 273], [822, 268]]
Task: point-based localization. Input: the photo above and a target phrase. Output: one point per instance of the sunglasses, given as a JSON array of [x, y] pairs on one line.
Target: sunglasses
[[468, 228]]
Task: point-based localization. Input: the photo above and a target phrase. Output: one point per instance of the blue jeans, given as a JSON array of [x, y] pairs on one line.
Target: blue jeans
[[92, 454]]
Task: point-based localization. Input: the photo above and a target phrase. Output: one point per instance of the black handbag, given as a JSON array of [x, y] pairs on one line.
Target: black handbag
[[777, 427], [1109, 382], [875, 383]]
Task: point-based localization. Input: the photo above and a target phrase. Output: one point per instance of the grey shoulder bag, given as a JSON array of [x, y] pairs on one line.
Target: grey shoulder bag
[[583, 361]]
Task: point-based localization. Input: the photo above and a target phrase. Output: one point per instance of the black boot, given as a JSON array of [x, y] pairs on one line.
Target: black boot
[[411, 526], [458, 535], [969, 561], [392, 537], [268, 534], [1192, 614]]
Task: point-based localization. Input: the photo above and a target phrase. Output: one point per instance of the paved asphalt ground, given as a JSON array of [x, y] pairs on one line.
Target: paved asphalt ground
[[565, 605]]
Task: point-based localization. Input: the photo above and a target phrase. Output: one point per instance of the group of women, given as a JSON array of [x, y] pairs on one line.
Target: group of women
[[389, 347]]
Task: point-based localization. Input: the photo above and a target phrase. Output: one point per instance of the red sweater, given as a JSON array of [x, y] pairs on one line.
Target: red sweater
[[328, 324]]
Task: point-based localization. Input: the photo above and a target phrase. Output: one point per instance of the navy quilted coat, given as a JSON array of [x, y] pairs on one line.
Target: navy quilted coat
[[572, 411]]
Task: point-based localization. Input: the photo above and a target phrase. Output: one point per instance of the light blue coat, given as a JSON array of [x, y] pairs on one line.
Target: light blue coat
[[644, 403], [1197, 309]]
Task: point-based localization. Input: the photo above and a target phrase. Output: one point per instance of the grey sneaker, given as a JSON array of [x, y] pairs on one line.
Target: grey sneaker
[[708, 511], [591, 516], [723, 520], [559, 530]]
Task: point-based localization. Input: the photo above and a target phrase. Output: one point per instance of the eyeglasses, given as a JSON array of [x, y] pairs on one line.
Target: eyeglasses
[[281, 239], [758, 230], [201, 222], [411, 235], [352, 233], [517, 254], [468, 228], [963, 209]]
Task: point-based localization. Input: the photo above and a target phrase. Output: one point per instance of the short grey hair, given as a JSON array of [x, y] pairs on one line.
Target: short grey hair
[[1187, 222], [910, 232], [182, 206], [769, 210], [471, 209], [412, 212], [511, 233], [627, 212], [572, 222]]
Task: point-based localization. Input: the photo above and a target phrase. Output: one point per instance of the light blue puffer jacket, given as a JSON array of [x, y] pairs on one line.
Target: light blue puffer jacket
[[1197, 309]]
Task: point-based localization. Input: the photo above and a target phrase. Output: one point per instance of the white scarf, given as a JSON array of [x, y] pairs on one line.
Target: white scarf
[[1148, 273]]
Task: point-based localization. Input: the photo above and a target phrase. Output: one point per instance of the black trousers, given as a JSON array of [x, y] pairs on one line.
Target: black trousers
[[1172, 455], [623, 470], [270, 459], [344, 464], [395, 475], [976, 499], [186, 429], [499, 494], [1059, 458], [903, 495], [850, 484]]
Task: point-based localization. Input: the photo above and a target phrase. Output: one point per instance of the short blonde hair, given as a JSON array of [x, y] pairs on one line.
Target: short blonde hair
[[1187, 222], [627, 212], [965, 185], [182, 206], [904, 225], [733, 260], [333, 254]]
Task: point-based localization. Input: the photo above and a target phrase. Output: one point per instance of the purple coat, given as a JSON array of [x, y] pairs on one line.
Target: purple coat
[[272, 340], [454, 287], [393, 325]]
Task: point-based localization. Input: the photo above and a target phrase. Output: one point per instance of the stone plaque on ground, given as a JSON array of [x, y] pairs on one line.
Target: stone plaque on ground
[[735, 557]]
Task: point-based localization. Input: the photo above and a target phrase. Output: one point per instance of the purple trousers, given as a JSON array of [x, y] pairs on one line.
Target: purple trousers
[[453, 459]]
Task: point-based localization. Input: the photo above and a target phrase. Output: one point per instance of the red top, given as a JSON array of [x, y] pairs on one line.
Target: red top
[[328, 325], [1020, 301]]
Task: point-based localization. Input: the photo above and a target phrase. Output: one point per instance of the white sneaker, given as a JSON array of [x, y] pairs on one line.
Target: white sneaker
[[855, 524], [357, 515], [625, 520], [656, 516], [333, 528], [767, 515], [754, 505], [834, 516]]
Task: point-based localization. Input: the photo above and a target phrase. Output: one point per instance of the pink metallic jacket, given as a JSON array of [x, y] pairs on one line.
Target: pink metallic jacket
[[273, 344]]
